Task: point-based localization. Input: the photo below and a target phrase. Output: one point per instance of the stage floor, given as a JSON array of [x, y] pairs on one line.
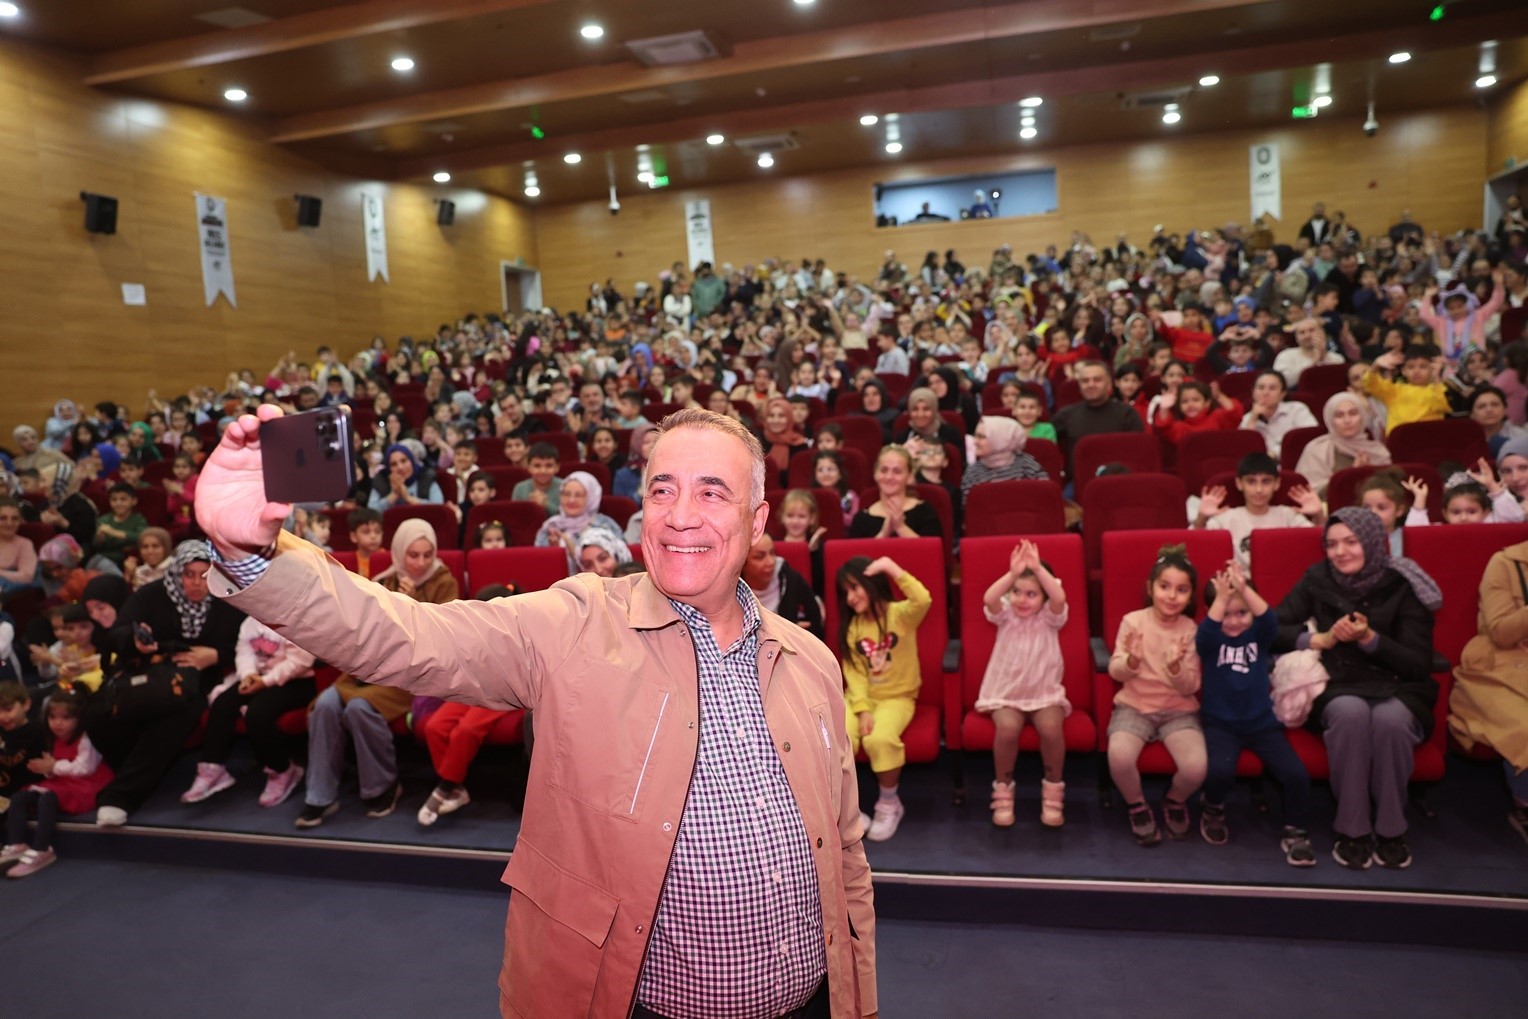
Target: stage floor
[[1468, 849]]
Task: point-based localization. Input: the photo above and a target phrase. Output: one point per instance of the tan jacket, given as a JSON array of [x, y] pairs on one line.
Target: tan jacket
[[610, 671], [1489, 701]]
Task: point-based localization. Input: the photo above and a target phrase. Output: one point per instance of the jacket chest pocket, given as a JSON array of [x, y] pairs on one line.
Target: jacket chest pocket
[[609, 728]]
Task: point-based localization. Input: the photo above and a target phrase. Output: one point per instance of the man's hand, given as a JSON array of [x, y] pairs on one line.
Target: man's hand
[[231, 507]]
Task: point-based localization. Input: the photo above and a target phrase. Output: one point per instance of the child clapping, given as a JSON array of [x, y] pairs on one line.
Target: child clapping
[[1234, 642]]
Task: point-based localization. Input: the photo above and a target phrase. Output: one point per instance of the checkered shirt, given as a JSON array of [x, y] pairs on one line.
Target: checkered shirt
[[738, 932]]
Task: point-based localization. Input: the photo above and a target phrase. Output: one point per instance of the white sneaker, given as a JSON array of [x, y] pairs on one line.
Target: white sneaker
[[210, 780], [888, 814], [864, 823], [111, 817]]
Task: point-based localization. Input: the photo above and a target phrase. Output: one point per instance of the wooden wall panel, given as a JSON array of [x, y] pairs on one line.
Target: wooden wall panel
[[1429, 162], [65, 330]]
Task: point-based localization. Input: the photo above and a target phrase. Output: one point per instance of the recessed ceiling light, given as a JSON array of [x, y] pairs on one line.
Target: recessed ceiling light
[[870, 120], [1027, 118], [1031, 102], [805, 3], [1209, 81], [9, 10], [1400, 58], [1485, 81], [1321, 102], [592, 31], [571, 158], [403, 63], [645, 177], [1171, 117], [1028, 132], [893, 147], [532, 191], [1171, 107], [715, 139], [235, 95], [892, 118], [442, 177], [766, 160]]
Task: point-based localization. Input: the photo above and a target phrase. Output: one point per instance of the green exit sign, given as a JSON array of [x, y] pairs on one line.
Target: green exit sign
[[660, 182], [1303, 112]]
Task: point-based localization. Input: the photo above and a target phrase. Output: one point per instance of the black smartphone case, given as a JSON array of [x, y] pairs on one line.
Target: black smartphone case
[[306, 457]]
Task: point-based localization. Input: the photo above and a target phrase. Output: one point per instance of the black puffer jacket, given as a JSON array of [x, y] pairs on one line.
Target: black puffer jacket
[[1400, 667]]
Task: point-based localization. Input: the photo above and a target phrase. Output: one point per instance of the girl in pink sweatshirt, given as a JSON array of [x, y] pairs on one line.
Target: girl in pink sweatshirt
[[1462, 324], [1155, 661]]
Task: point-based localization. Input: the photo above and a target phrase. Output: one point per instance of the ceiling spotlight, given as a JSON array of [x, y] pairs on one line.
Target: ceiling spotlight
[[9, 10], [1027, 119], [1209, 81], [1028, 133], [1485, 81], [1171, 117], [1031, 102], [766, 160], [591, 31], [235, 95], [1321, 102], [645, 177], [1400, 58], [442, 177], [893, 147], [403, 63], [572, 158], [869, 120], [532, 191], [805, 3], [1171, 107], [715, 139]]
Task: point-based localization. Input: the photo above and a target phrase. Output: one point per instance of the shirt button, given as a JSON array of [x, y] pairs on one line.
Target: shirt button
[[667, 826], [759, 802], [778, 877], [819, 843], [639, 928], [742, 733], [692, 725], [784, 948], [787, 748]]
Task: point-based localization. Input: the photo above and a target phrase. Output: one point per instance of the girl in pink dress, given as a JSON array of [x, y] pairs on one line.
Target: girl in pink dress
[[1023, 679], [71, 775]]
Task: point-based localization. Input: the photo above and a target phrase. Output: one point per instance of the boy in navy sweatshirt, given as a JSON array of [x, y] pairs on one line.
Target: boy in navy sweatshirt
[[1236, 710]]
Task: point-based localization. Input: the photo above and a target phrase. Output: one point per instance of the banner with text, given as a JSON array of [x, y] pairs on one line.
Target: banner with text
[[376, 236], [1267, 190], [217, 266], [697, 222]]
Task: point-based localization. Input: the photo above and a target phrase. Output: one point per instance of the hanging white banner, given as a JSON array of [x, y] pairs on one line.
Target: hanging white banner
[[1267, 190], [376, 236], [697, 224], [217, 266]]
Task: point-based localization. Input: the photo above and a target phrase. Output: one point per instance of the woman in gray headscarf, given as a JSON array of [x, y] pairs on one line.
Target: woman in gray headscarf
[[1374, 631]]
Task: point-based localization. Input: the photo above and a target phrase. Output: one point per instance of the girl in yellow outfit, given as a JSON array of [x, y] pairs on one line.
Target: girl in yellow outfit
[[878, 645]]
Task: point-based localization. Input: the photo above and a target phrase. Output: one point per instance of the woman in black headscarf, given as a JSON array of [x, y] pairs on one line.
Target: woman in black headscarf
[[945, 382], [876, 403], [1374, 627]]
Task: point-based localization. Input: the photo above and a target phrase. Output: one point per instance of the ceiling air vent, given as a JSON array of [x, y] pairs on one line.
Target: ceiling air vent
[[1114, 33], [1154, 100], [684, 48], [757, 145]]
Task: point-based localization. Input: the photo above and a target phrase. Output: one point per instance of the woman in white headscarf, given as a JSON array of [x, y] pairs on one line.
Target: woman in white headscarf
[[580, 510], [1345, 444], [598, 552], [1000, 456]]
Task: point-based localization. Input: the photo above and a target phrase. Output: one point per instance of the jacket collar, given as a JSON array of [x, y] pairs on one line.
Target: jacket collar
[[652, 610]]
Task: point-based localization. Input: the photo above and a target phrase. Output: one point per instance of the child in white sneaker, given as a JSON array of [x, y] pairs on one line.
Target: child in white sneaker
[[71, 775], [878, 645], [1023, 679], [271, 677]]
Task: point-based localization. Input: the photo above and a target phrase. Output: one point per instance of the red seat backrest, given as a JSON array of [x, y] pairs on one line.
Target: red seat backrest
[[1342, 489], [1014, 507], [1237, 385], [1227, 480], [521, 518], [847, 403], [505, 479], [983, 560], [1048, 455], [490, 451], [618, 508], [550, 419], [1139, 451], [456, 562], [1455, 555], [1135, 502], [1201, 455], [861, 433], [599, 471], [1431, 442], [1128, 560], [566, 444], [798, 555], [1294, 442], [1323, 380], [924, 559], [152, 505], [1280, 557], [532, 569], [437, 515], [829, 515], [801, 472]]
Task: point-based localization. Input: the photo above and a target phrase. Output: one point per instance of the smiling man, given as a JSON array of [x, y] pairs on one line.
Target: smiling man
[[691, 839]]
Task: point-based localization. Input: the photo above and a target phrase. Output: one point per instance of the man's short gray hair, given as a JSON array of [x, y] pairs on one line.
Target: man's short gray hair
[[694, 417]]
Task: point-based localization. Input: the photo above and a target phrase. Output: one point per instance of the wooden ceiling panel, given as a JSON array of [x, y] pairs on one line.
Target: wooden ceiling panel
[[93, 26]]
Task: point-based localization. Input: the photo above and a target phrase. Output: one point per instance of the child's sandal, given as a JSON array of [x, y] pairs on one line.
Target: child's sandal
[[1143, 825]]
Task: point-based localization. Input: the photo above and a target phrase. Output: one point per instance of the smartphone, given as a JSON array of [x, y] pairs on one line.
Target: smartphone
[[143, 634], [306, 457]]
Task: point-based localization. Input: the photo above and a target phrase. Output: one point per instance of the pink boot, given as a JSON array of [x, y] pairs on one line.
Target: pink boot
[[1052, 797], [1002, 804]]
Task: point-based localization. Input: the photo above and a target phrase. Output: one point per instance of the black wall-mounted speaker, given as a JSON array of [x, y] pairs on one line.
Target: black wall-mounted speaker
[[100, 213], [308, 210], [447, 213]]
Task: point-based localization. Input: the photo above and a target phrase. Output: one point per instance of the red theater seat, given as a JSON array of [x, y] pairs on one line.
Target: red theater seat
[[1342, 489], [521, 518], [1202, 455], [1014, 507], [798, 555], [1227, 480], [1455, 556], [1138, 451], [532, 569], [801, 473], [861, 433], [1048, 455], [924, 559], [598, 471], [983, 560], [1432, 442], [1280, 557], [829, 515], [1129, 502], [438, 515], [1294, 443]]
